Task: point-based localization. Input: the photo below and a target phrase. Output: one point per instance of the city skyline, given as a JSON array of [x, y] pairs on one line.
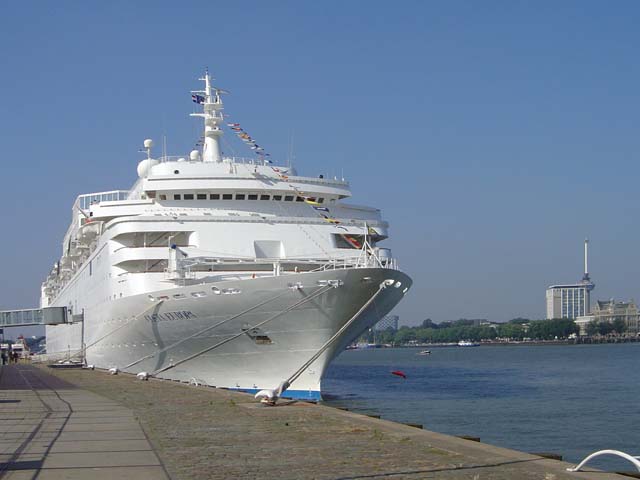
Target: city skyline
[[494, 137]]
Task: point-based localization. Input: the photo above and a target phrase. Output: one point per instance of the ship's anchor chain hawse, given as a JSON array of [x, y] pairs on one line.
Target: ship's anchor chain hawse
[[270, 397]]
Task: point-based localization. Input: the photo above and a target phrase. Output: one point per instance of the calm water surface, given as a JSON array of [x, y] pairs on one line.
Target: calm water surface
[[570, 400]]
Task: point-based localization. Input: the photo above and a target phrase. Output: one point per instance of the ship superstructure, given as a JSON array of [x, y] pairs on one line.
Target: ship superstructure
[[221, 270]]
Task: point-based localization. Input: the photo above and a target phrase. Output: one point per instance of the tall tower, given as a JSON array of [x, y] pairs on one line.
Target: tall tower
[[586, 280]]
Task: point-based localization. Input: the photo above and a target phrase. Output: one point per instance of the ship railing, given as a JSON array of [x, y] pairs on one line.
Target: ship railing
[[188, 268], [187, 159]]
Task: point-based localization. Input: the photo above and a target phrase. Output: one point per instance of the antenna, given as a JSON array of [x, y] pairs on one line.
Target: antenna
[[290, 155], [164, 145], [586, 257]]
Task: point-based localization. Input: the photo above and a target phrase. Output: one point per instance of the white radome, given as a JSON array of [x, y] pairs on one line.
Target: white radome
[[145, 166]]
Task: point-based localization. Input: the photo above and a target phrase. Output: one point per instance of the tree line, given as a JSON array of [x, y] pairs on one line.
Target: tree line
[[454, 331]]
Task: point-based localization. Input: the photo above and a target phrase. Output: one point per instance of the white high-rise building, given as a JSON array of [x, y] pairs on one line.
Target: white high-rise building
[[571, 300]]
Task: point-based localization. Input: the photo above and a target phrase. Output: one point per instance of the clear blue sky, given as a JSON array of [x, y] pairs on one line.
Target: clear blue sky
[[495, 136]]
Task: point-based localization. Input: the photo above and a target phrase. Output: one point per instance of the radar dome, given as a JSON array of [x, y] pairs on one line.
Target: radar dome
[[148, 143], [194, 155], [144, 167]]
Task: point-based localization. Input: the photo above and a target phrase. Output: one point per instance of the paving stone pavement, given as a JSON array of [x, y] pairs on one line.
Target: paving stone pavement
[[205, 433], [51, 430]]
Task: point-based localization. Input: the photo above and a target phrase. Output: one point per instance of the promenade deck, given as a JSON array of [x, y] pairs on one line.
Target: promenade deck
[[102, 426]]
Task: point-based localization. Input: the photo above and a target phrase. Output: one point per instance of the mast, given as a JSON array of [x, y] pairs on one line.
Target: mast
[[210, 99]]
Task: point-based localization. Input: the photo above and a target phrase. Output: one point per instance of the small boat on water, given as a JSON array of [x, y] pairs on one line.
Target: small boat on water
[[424, 352], [467, 343]]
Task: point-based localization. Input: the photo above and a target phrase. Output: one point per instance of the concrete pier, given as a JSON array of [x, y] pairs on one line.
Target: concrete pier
[[88, 424]]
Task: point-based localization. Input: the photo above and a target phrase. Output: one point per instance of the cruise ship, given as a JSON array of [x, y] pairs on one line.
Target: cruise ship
[[219, 270]]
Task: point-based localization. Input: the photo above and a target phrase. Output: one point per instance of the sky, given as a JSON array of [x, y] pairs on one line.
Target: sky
[[495, 136]]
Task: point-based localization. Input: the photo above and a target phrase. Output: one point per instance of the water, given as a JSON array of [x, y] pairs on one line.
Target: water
[[569, 399]]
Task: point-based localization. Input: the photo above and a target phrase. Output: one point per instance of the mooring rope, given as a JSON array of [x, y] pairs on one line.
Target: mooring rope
[[273, 317], [179, 342]]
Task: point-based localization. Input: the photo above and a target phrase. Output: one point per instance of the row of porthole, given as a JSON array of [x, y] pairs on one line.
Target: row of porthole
[[180, 296]]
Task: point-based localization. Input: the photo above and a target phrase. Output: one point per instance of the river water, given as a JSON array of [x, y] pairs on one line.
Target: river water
[[565, 399]]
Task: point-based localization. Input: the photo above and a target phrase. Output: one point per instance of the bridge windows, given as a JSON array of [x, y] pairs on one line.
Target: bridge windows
[[239, 196]]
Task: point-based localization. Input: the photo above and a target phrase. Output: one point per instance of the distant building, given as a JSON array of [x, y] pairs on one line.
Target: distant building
[[571, 300], [610, 311], [390, 321]]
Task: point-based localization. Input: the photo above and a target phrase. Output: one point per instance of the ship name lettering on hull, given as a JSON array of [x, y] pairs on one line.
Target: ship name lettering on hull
[[170, 316]]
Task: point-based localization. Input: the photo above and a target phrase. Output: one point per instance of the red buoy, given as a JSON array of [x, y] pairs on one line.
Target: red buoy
[[399, 373]]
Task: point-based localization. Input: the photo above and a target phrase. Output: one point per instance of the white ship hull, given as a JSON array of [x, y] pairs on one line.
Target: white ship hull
[[126, 330]]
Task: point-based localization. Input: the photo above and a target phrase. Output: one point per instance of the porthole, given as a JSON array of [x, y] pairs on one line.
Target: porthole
[[176, 172]]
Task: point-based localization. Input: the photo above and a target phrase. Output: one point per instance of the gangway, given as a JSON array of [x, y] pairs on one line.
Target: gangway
[[35, 316]]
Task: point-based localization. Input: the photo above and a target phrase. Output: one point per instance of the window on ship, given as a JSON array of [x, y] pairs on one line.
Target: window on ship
[[188, 196], [345, 240]]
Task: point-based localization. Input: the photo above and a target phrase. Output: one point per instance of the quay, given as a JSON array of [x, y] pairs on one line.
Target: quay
[[79, 424]]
